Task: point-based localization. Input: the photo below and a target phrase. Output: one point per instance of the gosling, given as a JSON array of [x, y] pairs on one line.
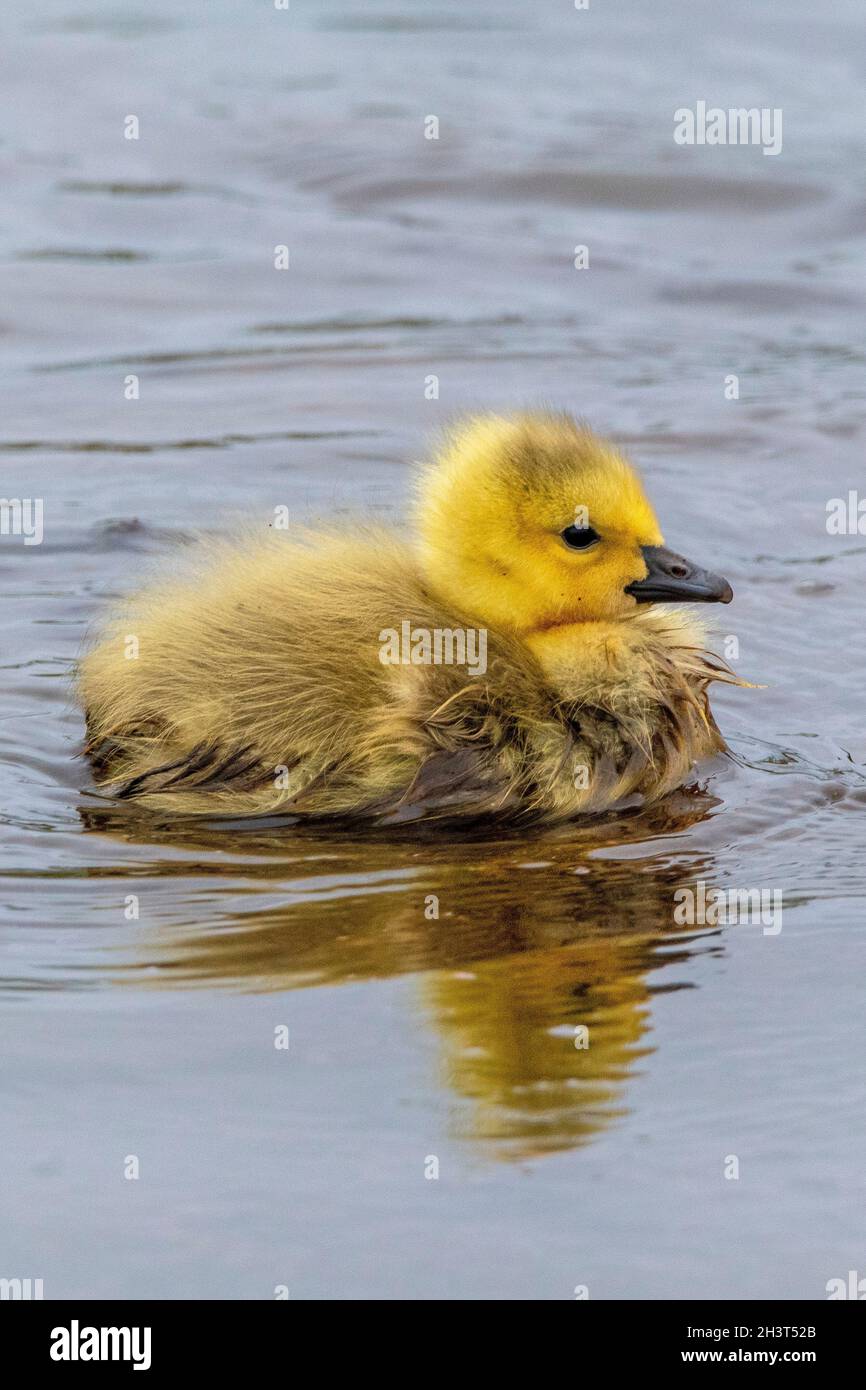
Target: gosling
[[517, 657]]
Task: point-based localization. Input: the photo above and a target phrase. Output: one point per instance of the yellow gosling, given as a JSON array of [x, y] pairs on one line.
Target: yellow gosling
[[517, 657]]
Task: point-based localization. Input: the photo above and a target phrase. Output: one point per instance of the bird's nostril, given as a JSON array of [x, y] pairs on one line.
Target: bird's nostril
[[679, 571]]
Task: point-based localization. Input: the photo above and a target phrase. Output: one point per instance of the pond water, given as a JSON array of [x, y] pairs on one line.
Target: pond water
[[712, 1047]]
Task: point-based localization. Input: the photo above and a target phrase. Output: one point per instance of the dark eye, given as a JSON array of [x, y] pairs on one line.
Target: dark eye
[[579, 537]]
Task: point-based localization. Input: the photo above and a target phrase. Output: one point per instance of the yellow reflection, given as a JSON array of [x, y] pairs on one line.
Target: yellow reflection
[[532, 953]]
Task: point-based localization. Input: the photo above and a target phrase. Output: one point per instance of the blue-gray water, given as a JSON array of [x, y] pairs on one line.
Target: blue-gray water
[[413, 1039]]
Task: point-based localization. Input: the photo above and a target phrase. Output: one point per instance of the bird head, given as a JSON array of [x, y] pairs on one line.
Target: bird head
[[532, 521]]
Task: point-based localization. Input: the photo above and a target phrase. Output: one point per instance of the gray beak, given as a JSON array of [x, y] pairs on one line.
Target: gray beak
[[673, 579]]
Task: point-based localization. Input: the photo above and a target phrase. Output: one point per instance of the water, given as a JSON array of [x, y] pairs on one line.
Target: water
[[410, 1038]]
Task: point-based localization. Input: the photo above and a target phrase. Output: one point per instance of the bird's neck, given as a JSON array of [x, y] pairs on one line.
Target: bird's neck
[[581, 658]]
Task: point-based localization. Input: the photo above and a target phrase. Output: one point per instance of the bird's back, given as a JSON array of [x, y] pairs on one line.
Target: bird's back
[[256, 679]]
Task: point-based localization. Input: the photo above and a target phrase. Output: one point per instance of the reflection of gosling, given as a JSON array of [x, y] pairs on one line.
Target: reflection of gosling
[[265, 681]]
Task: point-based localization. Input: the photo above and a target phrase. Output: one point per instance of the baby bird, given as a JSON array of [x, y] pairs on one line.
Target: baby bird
[[516, 658]]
